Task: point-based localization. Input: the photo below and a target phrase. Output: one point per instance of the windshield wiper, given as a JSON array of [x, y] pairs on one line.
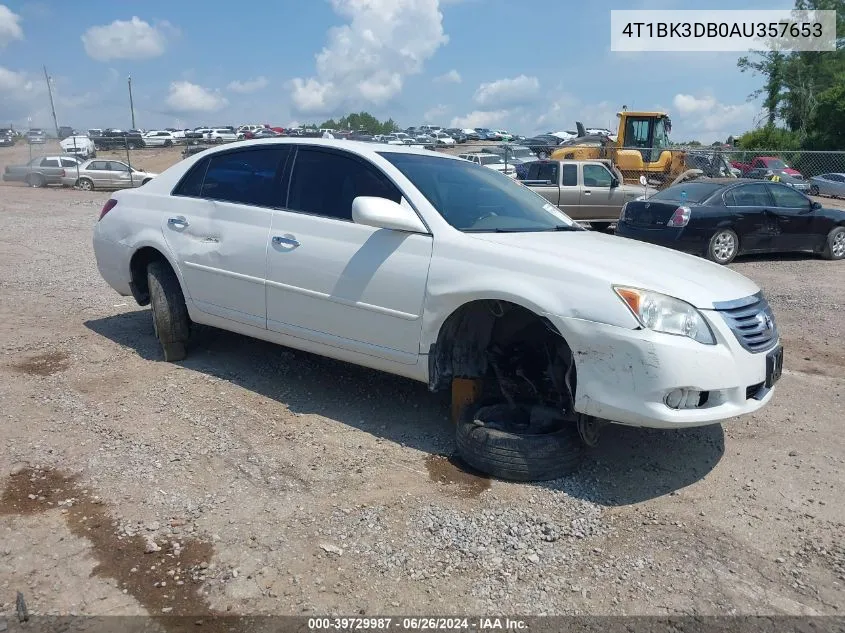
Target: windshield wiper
[[559, 227], [563, 227]]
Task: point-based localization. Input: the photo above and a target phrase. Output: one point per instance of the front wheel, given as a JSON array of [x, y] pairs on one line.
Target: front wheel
[[168, 143], [835, 244], [500, 442], [814, 190], [723, 247], [85, 184], [170, 314], [601, 227]]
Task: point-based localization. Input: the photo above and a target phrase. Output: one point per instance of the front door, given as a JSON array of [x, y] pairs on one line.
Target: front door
[[753, 216], [332, 281], [795, 218], [600, 201], [217, 225]]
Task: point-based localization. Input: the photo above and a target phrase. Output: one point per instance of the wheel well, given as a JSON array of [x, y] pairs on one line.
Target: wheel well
[[517, 353], [138, 271]]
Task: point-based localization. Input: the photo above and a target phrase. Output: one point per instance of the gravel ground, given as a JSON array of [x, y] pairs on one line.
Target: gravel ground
[[255, 479]]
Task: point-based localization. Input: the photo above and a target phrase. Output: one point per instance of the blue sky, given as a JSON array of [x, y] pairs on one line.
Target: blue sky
[[527, 67]]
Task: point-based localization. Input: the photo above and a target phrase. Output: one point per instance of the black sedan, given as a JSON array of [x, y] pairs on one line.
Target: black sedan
[[722, 218]]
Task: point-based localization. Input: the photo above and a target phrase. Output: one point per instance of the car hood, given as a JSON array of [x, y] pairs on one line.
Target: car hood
[[627, 262]]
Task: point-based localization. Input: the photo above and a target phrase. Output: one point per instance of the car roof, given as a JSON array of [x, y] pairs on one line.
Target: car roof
[[361, 148]]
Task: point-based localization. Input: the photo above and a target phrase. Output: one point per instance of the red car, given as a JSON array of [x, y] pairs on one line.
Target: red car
[[766, 162]]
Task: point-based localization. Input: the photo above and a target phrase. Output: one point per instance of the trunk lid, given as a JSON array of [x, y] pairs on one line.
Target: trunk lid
[[650, 214]]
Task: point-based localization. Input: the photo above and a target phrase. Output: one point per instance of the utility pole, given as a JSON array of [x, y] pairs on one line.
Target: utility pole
[[52, 106], [131, 104]]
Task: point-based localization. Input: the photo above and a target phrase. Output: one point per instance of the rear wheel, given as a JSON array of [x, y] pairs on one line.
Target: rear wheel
[[168, 143], [814, 190], [601, 227], [170, 314], [835, 245], [723, 247], [36, 180]]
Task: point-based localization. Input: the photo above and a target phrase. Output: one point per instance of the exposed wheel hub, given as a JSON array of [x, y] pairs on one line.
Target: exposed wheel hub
[[589, 428]]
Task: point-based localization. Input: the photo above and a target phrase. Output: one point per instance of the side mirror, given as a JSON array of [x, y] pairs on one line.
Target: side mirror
[[643, 180], [614, 182], [385, 214], [814, 205]]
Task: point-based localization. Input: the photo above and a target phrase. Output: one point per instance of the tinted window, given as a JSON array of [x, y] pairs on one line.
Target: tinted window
[[97, 164], [570, 176], [596, 176], [66, 162], [474, 198], [834, 177], [115, 166], [787, 197], [544, 171], [326, 183], [246, 177], [747, 196], [50, 162]]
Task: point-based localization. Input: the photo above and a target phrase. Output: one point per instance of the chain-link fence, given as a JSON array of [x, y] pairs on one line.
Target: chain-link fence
[[812, 171]]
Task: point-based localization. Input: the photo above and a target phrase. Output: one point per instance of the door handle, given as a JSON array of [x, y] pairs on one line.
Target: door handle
[[178, 222], [587, 193], [285, 241]]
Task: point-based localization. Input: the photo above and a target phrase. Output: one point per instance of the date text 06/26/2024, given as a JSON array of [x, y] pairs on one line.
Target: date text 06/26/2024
[[719, 31], [480, 625]]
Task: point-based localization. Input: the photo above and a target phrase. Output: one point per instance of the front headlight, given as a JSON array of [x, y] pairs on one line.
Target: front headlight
[[662, 313]]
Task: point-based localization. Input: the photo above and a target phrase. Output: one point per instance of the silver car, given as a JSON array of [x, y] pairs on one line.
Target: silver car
[[828, 185], [106, 174]]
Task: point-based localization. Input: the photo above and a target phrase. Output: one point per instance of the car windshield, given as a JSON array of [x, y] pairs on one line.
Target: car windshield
[[472, 198], [696, 192], [492, 159], [775, 163]]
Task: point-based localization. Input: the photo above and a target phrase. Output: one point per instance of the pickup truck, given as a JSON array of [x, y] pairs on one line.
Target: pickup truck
[[41, 171], [766, 162], [586, 190]]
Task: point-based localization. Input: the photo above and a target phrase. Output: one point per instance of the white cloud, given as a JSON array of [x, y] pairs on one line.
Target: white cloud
[[188, 97], [687, 104], [366, 61], [452, 77], [122, 39], [706, 117], [480, 118], [507, 92], [17, 85], [10, 28], [435, 113], [250, 85]]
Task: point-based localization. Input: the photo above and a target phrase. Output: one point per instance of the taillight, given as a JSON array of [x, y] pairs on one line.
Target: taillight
[[680, 217], [108, 206]]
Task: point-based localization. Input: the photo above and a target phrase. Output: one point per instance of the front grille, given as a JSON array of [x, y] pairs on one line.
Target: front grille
[[751, 320]]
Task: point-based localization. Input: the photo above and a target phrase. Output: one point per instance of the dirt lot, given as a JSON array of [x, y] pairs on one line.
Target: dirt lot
[[262, 480]]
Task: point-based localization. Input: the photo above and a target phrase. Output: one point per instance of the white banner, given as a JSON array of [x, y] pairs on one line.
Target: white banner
[[739, 31]]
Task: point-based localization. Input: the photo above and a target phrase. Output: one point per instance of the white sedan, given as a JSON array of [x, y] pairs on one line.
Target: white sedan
[[437, 269], [492, 161], [441, 138], [161, 138]]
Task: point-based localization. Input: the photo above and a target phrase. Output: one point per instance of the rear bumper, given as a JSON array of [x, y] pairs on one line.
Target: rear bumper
[[113, 263], [681, 239], [623, 375]]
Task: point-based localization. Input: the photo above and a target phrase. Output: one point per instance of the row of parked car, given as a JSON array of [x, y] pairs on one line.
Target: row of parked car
[[72, 171]]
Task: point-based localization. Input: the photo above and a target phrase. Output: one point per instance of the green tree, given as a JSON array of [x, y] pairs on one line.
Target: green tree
[[768, 137], [361, 121]]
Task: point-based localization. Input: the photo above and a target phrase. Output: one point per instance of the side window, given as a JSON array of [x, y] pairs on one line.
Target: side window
[[596, 176], [191, 184], [115, 166], [50, 162], [788, 198], [246, 177], [547, 171], [570, 176], [749, 196], [66, 162], [326, 183], [836, 177]]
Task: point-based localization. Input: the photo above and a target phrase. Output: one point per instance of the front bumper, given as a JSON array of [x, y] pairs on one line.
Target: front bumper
[[623, 375]]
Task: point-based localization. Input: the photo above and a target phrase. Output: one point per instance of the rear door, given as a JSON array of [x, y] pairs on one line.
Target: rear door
[[97, 172], [796, 220], [217, 224], [570, 191], [754, 220]]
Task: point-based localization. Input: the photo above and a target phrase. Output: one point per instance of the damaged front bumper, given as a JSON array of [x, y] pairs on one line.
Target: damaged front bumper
[[626, 375]]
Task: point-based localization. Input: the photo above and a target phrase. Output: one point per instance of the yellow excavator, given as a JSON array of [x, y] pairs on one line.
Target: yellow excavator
[[641, 148]]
